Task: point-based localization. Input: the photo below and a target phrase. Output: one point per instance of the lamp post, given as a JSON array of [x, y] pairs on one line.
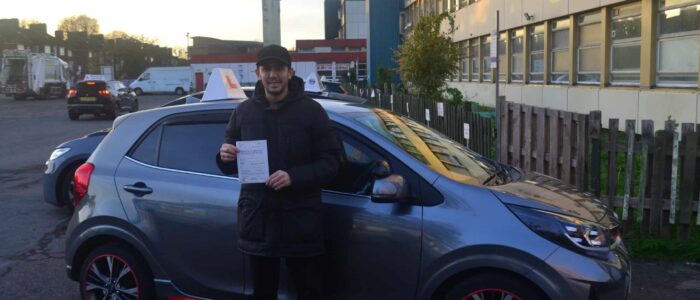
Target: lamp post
[[187, 47]]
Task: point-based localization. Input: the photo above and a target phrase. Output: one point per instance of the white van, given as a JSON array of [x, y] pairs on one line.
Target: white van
[[163, 80]]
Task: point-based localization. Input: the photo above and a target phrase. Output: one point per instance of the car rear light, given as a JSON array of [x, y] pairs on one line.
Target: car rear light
[[90, 83], [81, 181], [72, 93], [104, 92]]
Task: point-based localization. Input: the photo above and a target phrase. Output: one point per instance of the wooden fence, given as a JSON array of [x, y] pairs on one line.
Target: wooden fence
[[650, 177], [472, 129]]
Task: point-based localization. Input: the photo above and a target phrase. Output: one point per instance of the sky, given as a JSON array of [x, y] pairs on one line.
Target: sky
[[169, 22]]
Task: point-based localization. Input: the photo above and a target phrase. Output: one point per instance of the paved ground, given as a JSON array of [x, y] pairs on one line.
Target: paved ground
[[32, 232]]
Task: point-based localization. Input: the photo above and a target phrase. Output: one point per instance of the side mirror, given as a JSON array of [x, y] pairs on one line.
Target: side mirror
[[390, 189]]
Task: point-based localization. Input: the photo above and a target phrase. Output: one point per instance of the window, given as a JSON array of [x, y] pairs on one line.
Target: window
[[560, 52], [677, 57], [191, 147], [146, 150], [516, 58], [356, 160], [464, 46], [474, 59], [486, 58], [625, 52], [589, 48], [536, 45], [187, 143], [502, 58]]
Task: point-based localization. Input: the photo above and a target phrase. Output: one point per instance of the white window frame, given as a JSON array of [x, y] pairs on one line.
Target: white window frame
[[674, 36], [531, 53], [587, 47], [637, 41], [486, 70], [474, 59], [555, 50], [513, 58], [464, 63]]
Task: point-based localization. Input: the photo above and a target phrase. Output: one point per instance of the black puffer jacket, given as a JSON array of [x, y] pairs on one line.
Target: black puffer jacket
[[300, 141]]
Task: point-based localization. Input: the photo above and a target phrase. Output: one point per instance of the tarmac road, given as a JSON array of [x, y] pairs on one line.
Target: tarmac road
[[32, 232]]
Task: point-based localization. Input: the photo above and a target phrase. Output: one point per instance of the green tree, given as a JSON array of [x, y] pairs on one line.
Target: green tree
[[79, 23], [428, 57], [384, 76]]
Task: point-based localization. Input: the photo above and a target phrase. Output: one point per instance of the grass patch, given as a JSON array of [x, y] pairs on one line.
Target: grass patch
[[659, 249]]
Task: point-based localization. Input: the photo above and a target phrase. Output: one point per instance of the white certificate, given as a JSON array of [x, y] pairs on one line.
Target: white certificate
[[252, 161]]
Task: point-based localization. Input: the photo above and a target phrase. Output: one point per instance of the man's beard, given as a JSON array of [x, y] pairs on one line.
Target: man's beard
[[275, 93]]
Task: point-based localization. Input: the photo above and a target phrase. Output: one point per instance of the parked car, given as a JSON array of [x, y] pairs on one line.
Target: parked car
[[411, 215], [100, 97]]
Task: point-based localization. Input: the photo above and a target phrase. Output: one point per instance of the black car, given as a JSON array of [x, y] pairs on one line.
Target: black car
[[99, 97]]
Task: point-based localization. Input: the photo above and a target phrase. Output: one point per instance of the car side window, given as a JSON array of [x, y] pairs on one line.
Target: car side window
[[146, 150], [191, 147], [356, 162], [187, 142]]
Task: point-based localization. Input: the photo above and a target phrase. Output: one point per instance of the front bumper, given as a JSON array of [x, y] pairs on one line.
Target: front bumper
[[591, 278], [51, 177]]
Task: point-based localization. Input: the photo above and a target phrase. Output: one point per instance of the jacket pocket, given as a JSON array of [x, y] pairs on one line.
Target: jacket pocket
[[302, 226], [250, 219]]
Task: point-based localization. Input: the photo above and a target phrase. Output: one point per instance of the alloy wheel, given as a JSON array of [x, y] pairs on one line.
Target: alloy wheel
[[491, 294], [110, 277]]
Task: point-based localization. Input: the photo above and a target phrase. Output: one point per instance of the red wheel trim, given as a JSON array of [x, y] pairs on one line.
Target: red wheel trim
[[119, 258], [515, 297]]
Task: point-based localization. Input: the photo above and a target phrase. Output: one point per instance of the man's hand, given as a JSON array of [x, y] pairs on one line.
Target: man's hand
[[228, 152], [279, 180]]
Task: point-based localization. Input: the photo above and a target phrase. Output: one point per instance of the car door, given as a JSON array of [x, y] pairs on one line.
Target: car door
[[174, 193], [373, 249]]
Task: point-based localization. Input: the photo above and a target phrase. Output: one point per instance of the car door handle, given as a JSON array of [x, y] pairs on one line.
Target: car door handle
[[139, 189]]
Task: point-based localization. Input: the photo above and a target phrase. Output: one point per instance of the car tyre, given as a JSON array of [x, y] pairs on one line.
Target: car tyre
[[494, 286], [112, 114], [134, 106], [73, 115], [138, 91], [115, 270], [179, 91]]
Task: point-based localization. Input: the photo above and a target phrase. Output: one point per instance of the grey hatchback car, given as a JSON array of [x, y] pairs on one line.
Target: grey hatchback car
[[411, 215]]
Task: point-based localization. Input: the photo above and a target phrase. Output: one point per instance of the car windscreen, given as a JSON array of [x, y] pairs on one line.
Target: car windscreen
[[428, 146], [90, 87]]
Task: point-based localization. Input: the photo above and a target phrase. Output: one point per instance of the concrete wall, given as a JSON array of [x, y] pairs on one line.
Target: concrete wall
[[621, 103], [480, 18]]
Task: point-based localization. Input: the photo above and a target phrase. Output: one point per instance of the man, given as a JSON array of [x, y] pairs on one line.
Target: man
[[282, 217]]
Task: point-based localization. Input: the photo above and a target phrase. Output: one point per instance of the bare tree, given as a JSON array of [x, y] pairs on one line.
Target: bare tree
[[79, 23], [24, 23], [118, 34]]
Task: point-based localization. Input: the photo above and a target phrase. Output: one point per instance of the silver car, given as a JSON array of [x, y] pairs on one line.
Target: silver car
[[411, 215]]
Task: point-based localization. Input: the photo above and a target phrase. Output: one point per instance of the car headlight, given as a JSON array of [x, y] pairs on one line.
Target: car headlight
[[58, 152], [575, 234]]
